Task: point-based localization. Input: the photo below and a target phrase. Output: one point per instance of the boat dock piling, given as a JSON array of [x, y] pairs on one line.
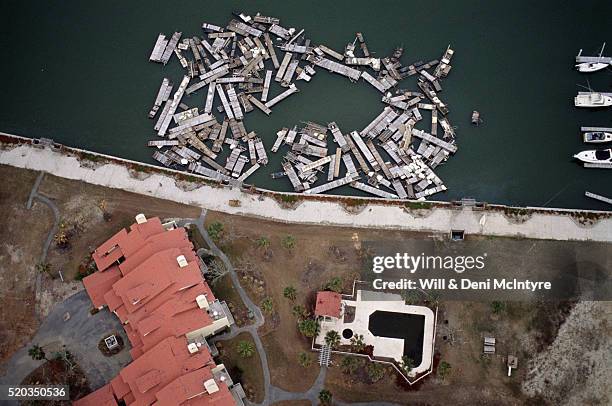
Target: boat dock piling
[[237, 62]]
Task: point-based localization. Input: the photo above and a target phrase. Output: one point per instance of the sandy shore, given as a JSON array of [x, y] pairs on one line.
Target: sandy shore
[[376, 215]]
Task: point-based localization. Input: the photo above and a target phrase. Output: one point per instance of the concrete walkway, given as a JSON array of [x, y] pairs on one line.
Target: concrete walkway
[[56, 219], [80, 334], [542, 225]]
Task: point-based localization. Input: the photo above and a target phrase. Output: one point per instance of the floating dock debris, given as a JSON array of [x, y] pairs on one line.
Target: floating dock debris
[[231, 70]]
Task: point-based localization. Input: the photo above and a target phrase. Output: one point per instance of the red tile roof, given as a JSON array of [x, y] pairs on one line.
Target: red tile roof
[[98, 283], [328, 304], [140, 279], [190, 388]]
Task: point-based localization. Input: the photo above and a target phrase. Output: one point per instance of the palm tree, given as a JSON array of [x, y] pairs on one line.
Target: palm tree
[[334, 284], [263, 242], [309, 327], [290, 293], [37, 353], [407, 364], [288, 242], [325, 397], [332, 338], [299, 312], [43, 267], [267, 305], [304, 359], [215, 230], [246, 349], [357, 343], [376, 371], [443, 369], [349, 365]]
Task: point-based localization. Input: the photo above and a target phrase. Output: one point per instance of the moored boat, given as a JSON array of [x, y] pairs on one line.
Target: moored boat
[[596, 137], [592, 99], [595, 156]]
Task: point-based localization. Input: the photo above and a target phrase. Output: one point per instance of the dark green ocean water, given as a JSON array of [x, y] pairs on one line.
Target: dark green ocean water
[[78, 72]]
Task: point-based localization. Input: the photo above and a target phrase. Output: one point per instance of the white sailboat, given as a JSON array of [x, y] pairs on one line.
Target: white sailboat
[[588, 67]]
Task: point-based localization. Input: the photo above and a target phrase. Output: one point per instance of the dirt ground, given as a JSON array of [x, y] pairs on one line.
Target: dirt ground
[[523, 329], [246, 370], [91, 214], [307, 267], [21, 239], [24, 232], [58, 372]]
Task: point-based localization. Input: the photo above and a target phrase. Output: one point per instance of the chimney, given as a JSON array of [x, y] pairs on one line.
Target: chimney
[[141, 218]]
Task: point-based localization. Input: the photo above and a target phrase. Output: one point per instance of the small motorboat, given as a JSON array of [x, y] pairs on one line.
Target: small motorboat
[[588, 67], [592, 99], [596, 137], [595, 156]]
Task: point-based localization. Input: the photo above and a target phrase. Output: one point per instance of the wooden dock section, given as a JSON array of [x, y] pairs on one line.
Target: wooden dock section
[[163, 94], [259, 104], [271, 51], [598, 197], [365, 150], [226, 105], [362, 44], [373, 191], [262, 156], [170, 47], [316, 164], [292, 89], [243, 29], [158, 48], [601, 165], [280, 32], [331, 185], [590, 129], [349, 164], [266, 86], [293, 178], [176, 99], [452, 148], [338, 136], [240, 164], [283, 67], [234, 103], [335, 67], [331, 52], [210, 98], [280, 137], [162, 143], [592, 59]]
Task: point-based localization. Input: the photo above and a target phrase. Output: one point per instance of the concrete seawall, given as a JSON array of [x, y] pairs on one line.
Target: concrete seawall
[[555, 224]]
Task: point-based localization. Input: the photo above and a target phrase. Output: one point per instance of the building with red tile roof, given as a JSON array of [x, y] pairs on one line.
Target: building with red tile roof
[[151, 278], [329, 304]]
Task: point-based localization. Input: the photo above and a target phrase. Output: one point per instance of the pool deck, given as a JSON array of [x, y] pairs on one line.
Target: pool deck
[[366, 303]]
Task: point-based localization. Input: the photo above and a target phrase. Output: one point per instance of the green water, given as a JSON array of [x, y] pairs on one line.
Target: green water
[[78, 72]]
